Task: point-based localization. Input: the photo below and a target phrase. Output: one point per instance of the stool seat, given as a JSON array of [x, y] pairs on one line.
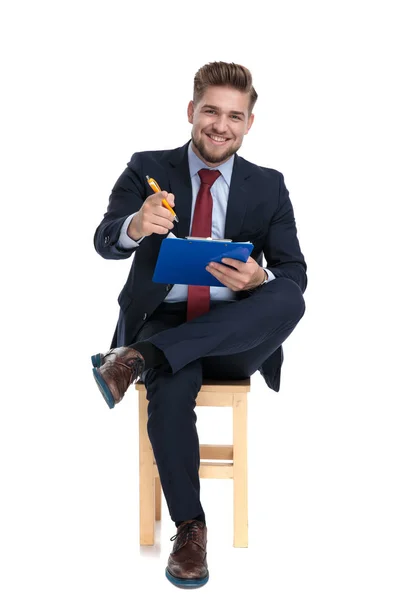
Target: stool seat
[[216, 461]]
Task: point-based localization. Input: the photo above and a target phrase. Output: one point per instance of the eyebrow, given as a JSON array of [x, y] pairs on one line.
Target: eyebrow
[[234, 112]]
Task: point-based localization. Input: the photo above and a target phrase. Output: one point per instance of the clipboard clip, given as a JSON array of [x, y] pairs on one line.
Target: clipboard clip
[[208, 239]]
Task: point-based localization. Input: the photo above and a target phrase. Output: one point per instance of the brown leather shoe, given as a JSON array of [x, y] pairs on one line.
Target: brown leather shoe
[[115, 371], [187, 563]]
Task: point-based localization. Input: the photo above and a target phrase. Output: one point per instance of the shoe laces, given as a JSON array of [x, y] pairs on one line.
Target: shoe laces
[[189, 531]]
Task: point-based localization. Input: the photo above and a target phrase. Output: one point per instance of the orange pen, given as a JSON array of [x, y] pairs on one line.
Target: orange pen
[[156, 188]]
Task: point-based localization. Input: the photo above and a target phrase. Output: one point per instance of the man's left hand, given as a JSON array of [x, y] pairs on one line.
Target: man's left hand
[[244, 276]]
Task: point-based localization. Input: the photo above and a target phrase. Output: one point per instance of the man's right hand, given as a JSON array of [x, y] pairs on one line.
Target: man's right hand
[[152, 217]]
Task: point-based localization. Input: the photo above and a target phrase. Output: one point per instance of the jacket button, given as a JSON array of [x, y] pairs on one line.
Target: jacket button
[[144, 317], [106, 239]]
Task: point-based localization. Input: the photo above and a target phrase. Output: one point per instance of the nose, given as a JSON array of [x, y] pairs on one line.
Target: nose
[[220, 124]]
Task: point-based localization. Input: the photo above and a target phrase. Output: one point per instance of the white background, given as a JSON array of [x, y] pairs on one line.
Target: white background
[[85, 85]]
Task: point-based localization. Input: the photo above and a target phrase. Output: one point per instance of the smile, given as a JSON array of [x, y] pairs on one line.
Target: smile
[[218, 141]]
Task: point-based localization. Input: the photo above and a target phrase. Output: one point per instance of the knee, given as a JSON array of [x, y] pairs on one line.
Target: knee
[[292, 299]]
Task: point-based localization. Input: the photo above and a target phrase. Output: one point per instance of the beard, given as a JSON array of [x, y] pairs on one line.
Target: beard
[[216, 156]]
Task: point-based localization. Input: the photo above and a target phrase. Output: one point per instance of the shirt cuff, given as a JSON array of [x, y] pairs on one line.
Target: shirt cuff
[[124, 240], [271, 276]]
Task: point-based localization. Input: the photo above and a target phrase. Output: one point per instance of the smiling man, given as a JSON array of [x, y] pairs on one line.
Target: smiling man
[[220, 121], [173, 336]]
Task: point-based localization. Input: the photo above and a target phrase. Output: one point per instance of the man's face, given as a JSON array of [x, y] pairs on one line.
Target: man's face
[[222, 112]]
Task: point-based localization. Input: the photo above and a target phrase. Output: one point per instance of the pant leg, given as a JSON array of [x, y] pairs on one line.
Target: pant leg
[[173, 435], [264, 319], [237, 366], [172, 421]]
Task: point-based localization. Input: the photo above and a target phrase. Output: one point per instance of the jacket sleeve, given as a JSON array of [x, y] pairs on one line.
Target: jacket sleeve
[[282, 248], [127, 197]]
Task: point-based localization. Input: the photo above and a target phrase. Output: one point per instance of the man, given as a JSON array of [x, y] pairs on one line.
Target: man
[[174, 336]]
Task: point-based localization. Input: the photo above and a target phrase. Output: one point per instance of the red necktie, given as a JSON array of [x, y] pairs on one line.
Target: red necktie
[[198, 301]]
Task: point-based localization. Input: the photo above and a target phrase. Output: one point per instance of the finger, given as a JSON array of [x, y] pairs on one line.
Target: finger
[[162, 212], [171, 199], [221, 273], [166, 223], [159, 229], [227, 281], [215, 270], [215, 273], [150, 220], [157, 198], [165, 213], [233, 262], [226, 275], [226, 269]]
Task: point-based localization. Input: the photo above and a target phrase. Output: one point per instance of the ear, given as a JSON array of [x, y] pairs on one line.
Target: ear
[[190, 111], [249, 123]]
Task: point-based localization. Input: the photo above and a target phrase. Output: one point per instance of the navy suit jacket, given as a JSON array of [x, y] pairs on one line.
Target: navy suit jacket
[[259, 210]]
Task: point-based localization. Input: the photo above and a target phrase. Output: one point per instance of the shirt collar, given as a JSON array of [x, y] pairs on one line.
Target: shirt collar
[[195, 164]]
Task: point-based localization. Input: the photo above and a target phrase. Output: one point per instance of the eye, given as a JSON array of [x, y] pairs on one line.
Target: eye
[[236, 117], [210, 110]]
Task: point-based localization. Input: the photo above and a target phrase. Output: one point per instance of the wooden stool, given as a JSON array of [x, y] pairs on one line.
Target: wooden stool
[[232, 465]]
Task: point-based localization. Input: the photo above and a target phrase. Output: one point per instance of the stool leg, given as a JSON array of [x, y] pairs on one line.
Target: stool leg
[[240, 506], [146, 477], [158, 498]]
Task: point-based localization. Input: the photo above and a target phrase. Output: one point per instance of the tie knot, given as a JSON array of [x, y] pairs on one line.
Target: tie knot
[[208, 176]]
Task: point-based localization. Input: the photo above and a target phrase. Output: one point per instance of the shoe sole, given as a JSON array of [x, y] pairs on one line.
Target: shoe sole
[[97, 360], [186, 583]]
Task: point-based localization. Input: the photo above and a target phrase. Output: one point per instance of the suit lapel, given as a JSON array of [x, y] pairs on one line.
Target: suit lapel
[[238, 199], [181, 187]]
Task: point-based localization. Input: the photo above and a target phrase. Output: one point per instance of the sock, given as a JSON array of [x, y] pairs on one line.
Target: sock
[[153, 356]]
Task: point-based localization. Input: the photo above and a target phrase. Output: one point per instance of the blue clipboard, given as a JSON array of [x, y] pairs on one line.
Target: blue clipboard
[[185, 260]]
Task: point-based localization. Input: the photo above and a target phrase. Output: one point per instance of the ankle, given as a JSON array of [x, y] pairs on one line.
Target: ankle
[[153, 356]]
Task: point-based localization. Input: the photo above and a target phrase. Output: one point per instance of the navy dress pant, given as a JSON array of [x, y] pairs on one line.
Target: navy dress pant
[[231, 341]]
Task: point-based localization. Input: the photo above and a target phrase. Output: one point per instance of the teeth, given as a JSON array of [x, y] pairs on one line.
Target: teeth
[[217, 139]]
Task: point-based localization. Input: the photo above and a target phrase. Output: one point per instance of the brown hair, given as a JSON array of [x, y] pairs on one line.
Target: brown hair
[[228, 74]]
